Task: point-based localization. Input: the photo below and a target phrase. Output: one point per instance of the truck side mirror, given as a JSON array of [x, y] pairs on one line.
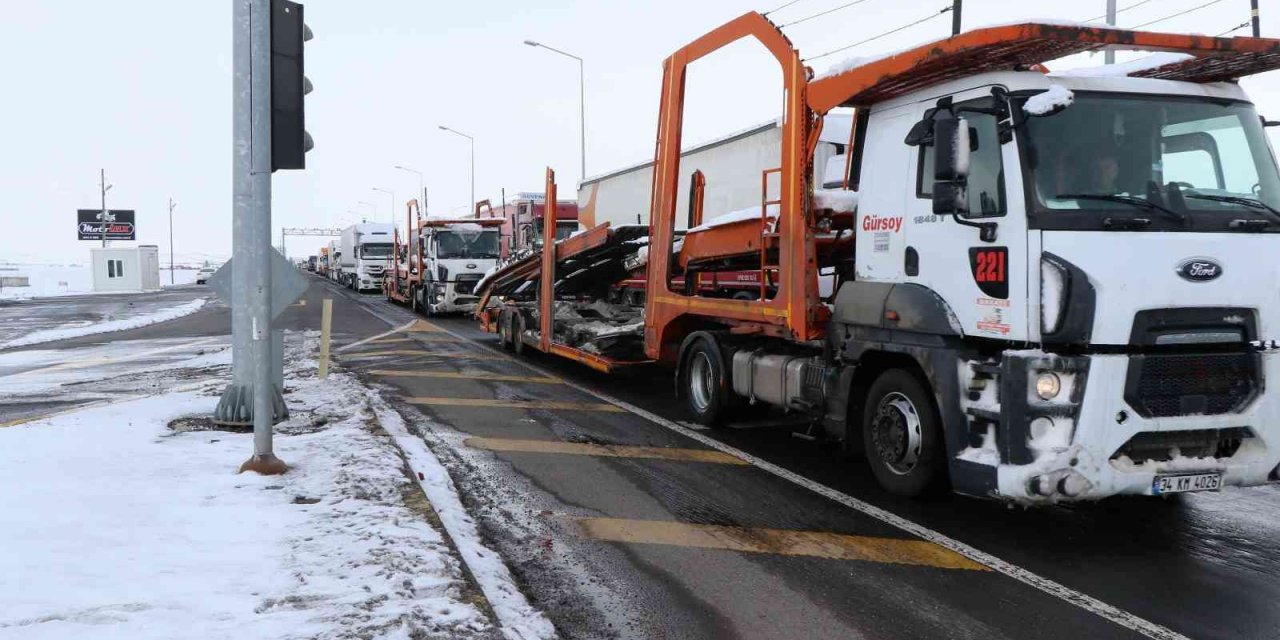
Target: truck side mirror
[[951, 152]]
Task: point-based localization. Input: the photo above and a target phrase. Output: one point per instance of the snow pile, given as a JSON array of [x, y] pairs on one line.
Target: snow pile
[[838, 200], [1056, 97], [76, 331], [986, 454], [517, 617], [1124, 69], [144, 532], [749, 213]]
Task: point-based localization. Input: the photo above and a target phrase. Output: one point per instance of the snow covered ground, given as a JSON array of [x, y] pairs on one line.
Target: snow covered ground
[[85, 328], [131, 523], [47, 280]]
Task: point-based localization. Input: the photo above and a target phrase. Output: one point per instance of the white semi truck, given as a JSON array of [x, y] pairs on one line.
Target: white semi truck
[[456, 255], [1048, 286], [364, 255]]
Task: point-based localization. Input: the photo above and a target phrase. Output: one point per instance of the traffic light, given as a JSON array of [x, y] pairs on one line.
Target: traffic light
[[289, 138]]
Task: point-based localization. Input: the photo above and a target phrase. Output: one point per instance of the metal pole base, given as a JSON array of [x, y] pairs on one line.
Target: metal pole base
[[266, 464], [235, 408]]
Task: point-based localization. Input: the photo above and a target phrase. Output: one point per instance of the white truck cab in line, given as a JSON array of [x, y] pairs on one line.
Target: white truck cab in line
[[365, 255], [456, 254], [1083, 267]]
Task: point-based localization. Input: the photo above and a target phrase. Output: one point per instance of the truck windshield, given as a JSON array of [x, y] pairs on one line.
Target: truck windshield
[[375, 251], [1178, 162], [467, 244]]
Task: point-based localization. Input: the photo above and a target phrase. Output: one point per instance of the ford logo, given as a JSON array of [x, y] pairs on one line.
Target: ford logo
[[471, 266], [1199, 269]]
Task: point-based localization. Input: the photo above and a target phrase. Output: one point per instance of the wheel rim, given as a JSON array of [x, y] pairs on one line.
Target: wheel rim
[[701, 381], [896, 433]]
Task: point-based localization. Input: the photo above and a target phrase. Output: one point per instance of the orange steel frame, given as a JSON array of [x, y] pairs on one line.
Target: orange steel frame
[[391, 286], [795, 313]]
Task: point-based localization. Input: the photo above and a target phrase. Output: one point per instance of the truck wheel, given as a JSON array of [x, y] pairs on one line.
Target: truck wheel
[[505, 331], [706, 387], [901, 435], [517, 333], [744, 295]]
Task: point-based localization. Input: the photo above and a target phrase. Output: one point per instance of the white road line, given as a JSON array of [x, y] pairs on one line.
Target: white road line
[[1046, 585]]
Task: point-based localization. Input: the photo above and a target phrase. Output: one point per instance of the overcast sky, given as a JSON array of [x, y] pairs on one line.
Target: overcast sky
[[142, 88]]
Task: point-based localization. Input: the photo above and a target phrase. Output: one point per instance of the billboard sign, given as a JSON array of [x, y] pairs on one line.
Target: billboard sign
[[117, 224]]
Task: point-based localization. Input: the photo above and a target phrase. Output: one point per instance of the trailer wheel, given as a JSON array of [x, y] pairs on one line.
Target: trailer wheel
[[705, 385], [744, 295], [517, 333], [505, 331], [901, 435]]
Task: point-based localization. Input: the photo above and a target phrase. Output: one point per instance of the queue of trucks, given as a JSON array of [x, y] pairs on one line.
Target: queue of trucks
[[976, 273]]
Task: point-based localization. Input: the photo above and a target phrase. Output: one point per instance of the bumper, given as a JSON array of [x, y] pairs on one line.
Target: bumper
[[448, 299], [1079, 446]]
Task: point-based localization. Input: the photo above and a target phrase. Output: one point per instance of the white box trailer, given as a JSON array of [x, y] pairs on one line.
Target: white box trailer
[[126, 268], [732, 165]]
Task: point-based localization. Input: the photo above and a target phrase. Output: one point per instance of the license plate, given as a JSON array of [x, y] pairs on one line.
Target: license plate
[[1186, 483]]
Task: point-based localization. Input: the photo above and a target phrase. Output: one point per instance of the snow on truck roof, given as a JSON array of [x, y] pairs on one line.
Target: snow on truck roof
[[1022, 46]]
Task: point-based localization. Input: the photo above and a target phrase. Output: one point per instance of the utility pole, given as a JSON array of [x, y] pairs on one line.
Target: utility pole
[[171, 206], [956, 6], [1109, 56], [1253, 17], [105, 215]]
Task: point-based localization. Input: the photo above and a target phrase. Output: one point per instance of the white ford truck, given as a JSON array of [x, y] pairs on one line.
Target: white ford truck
[[456, 254]]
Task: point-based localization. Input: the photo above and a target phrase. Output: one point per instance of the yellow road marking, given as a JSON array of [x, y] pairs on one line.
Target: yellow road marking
[[602, 450], [816, 544], [104, 360], [481, 375], [422, 326], [419, 352], [390, 340], [516, 404], [300, 303]]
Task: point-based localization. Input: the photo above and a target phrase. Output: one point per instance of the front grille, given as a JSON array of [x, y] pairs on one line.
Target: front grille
[[466, 284], [1163, 385], [1162, 446]]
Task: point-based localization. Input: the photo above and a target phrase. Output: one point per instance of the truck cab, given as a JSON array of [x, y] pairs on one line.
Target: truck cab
[[456, 254], [365, 255]]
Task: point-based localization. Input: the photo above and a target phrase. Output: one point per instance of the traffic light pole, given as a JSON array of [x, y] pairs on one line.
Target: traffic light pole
[[252, 394]]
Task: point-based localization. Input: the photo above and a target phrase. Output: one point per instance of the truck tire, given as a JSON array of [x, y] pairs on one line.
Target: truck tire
[[705, 383], [902, 435], [505, 331], [517, 334]]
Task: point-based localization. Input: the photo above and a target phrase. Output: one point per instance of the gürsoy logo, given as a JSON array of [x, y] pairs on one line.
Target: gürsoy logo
[[1199, 269], [878, 223]]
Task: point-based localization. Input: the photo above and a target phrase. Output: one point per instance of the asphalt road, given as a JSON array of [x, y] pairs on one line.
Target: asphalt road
[[625, 523]]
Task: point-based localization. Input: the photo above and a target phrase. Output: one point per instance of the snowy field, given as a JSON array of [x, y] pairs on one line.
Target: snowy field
[[127, 527], [62, 280]]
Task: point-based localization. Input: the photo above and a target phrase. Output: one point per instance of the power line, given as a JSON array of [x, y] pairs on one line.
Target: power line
[[1120, 10], [780, 8], [1238, 27], [822, 13], [878, 36], [1174, 15]]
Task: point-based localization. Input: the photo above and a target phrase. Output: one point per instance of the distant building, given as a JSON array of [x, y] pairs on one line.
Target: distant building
[[126, 268]]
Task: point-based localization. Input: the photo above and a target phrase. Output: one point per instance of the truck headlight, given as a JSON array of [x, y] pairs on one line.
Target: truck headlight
[[1048, 385]]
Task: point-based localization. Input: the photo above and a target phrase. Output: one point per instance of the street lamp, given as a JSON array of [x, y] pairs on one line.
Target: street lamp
[[582, 100], [172, 204], [473, 163], [421, 187], [392, 211], [371, 206]]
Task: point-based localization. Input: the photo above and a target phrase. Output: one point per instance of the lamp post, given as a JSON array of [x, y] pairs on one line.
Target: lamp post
[[371, 205], [172, 204], [104, 216], [472, 204], [582, 100], [391, 213], [421, 186]]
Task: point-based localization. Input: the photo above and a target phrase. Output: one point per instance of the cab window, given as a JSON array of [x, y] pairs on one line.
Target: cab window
[[986, 167]]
